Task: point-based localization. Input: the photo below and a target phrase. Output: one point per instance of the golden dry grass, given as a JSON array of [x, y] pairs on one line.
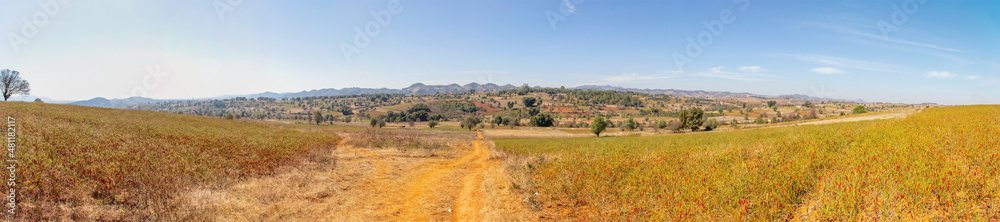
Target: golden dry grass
[[85, 163], [936, 165], [459, 182]]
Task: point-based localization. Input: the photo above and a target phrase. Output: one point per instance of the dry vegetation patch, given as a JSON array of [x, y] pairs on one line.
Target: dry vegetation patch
[[938, 164], [84, 163]]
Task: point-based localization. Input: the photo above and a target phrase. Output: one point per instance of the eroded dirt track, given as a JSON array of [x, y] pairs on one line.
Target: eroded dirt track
[[466, 171], [364, 185]]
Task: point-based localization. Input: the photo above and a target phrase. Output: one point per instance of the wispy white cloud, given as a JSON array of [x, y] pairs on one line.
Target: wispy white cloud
[[873, 36], [972, 77], [481, 72], [629, 77], [752, 69], [853, 63], [940, 75], [717, 72], [827, 70]]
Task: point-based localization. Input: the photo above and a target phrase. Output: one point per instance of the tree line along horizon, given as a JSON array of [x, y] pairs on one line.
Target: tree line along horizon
[[462, 107]]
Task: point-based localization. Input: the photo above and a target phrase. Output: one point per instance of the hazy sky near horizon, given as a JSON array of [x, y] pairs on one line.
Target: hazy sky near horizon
[[909, 51]]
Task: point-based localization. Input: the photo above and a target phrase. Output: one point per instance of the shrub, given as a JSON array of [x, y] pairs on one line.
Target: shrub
[[661, 124], [629, 124], [469, 122], [860, 109], [675, 126], [432, 123], [711, 124]]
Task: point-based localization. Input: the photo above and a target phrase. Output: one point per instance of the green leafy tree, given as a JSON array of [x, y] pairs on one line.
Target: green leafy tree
[[381, 123], [771, 103], [695, 119], [598, 126], [533, 111], [318, 117], [432, 123], [684, 116], [373, 122], [542, 120], [346, 110], [529, 101], [661, 124], [498, 120], [860, 109]]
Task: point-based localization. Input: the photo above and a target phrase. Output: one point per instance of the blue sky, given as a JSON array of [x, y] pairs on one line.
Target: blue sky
[[894, 51]]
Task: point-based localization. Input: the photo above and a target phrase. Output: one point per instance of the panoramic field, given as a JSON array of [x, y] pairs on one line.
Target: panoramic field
[[938, 164], [508, 110]]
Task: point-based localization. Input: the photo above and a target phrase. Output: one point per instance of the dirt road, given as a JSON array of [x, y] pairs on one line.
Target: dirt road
[[365, 185], [467, 203]]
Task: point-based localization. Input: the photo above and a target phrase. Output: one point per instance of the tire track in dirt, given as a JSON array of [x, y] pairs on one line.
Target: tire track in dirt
[[469, 200], [467, 203]]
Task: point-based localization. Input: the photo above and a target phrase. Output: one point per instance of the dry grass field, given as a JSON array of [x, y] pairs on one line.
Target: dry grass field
[[84, 163], [378, 175], [934, 165]]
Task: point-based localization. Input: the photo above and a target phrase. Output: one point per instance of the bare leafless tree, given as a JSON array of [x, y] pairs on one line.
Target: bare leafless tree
[[11, 83]]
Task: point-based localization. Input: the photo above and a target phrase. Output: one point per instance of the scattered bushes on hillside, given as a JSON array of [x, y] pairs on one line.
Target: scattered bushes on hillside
[[470, 122], [388, 138], [860, 109]]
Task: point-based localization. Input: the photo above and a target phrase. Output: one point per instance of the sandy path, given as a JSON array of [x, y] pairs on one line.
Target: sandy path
[[362, 185], [468, 202]]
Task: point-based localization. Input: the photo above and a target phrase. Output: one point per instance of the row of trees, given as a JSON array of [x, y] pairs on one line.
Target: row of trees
[[693, 119]]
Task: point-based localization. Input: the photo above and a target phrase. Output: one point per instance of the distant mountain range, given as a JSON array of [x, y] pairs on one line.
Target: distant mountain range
[[709, 94], [420, 88], [117, 103], [417, 88]]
